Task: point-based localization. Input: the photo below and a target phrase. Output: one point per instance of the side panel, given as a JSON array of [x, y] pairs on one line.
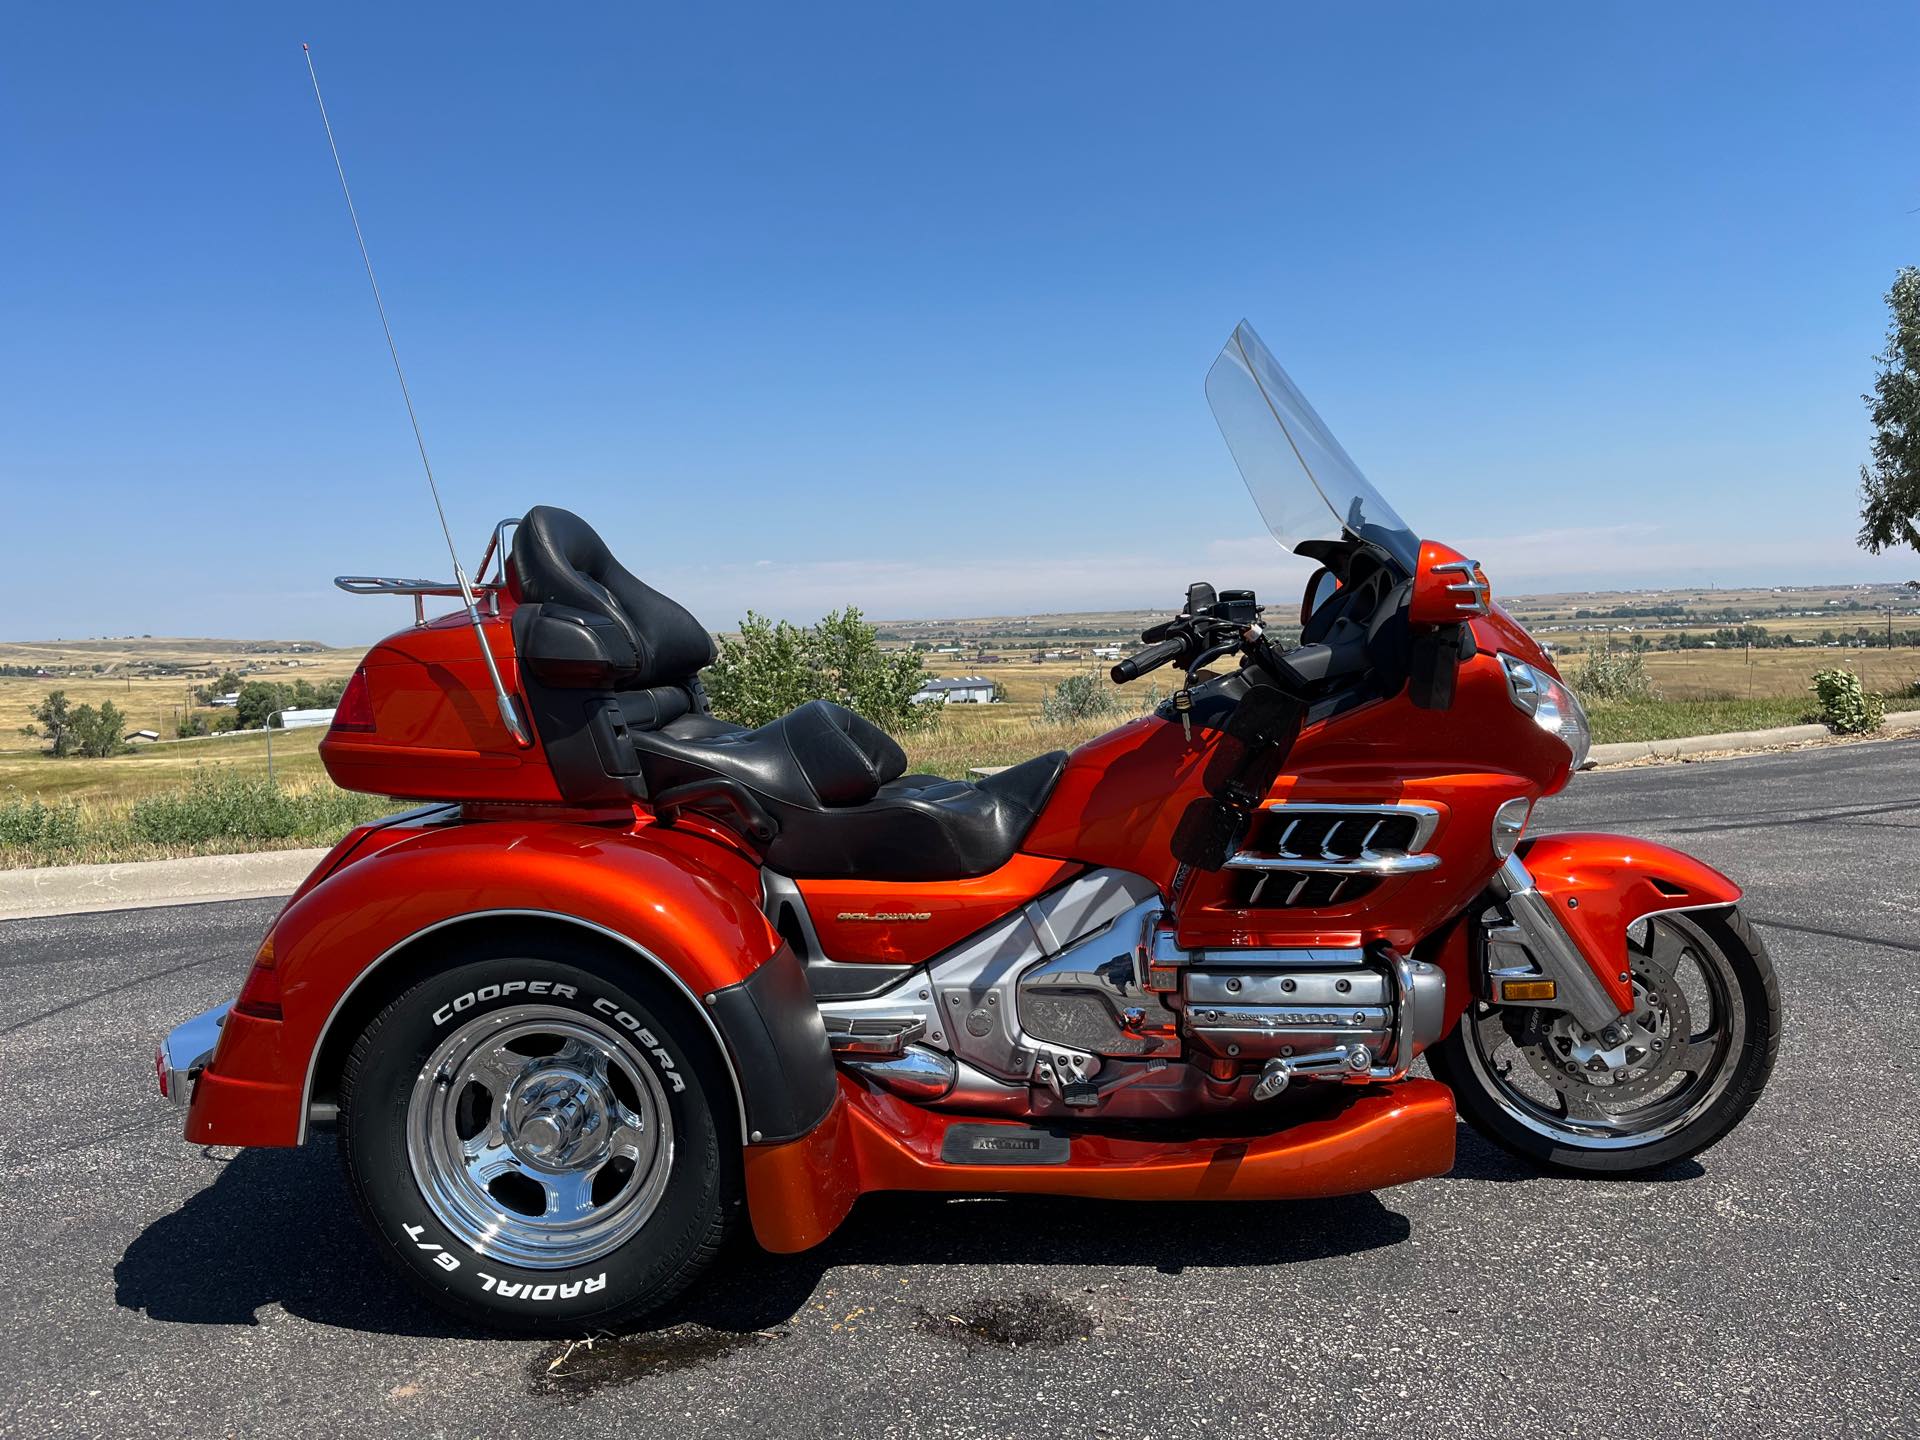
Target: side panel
[[684, 902], [1600, 884], [907, 922]]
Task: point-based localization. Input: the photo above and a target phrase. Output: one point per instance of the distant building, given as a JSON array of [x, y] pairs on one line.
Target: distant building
[[305, 719], [967, 690], [225, 702]]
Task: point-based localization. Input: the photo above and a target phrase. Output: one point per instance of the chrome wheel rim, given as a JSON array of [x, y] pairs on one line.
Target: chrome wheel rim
[[1663, 1066], [539, 1137]]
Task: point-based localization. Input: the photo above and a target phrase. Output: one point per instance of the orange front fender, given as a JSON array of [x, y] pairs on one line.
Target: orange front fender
[[686, 906], [1599, 885]]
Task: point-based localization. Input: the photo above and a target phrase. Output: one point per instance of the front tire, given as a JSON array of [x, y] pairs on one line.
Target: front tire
[[1685, 1067], [532, 1132]]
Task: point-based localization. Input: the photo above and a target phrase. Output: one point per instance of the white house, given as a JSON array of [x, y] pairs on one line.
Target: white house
[[967, 690]]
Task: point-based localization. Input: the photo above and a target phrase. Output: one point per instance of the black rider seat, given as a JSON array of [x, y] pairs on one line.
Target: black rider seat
[[611, 667]]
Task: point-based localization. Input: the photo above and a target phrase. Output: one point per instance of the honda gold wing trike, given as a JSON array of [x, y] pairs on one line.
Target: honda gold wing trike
[[631, 977]]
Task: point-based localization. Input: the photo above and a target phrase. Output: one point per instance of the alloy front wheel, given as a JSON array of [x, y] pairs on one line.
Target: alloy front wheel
[[1666, 1080]]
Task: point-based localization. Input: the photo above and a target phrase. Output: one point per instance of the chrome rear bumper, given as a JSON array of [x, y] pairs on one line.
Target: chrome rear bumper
[[185, 1053]]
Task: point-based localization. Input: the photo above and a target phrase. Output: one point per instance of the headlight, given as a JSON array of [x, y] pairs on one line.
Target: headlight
[[1554, 707]]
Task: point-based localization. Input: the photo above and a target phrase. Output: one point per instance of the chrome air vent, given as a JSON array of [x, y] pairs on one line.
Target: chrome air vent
[[1307, 855]]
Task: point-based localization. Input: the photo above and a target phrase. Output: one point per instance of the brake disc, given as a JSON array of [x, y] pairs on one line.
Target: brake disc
[[1632, 1058]]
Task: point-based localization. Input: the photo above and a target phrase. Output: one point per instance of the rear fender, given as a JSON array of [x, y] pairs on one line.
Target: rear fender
[[1598, 886], [684, 908]]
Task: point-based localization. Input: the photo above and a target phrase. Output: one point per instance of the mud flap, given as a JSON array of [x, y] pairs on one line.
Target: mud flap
[[773, 1031]]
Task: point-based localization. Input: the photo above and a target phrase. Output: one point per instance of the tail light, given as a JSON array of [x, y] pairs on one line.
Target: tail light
[[260, 996], [355, 710]]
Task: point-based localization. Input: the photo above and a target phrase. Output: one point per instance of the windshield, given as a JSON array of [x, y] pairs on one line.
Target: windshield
[[1306, 486]]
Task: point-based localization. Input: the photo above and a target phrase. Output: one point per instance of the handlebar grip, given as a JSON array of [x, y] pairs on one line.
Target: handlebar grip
[[1151, 658]]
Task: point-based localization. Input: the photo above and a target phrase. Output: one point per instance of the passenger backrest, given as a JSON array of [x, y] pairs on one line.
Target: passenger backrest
[[562, 565]]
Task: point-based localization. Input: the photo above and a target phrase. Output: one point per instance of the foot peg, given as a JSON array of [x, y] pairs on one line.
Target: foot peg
[[1343, 1062]]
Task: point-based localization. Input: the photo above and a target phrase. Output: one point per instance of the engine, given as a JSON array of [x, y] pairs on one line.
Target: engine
[[1082, 1002]]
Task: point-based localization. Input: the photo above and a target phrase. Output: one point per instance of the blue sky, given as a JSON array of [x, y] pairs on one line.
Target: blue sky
[[909, 307]]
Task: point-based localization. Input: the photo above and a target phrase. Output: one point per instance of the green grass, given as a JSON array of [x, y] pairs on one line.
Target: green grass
[[1615, 720], [218, 813]]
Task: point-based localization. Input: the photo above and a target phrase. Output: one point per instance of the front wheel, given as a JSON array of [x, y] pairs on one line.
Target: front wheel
[[535, 1134], [1670, 1079]]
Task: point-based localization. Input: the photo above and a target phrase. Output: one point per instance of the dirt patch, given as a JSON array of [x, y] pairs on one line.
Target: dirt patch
[[571, 1370], [1031, 1318]]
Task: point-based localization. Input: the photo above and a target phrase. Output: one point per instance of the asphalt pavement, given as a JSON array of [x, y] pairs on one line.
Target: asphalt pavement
[[1768, 1288]]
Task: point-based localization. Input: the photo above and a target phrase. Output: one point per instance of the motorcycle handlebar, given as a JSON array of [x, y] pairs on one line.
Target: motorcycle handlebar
[[1151, 658]]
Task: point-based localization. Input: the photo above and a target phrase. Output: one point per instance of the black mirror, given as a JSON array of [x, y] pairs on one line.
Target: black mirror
[[1320, 589]]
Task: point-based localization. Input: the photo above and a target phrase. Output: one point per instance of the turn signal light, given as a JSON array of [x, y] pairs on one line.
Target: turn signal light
[[355, 710], [1527, 989], [260, 996]]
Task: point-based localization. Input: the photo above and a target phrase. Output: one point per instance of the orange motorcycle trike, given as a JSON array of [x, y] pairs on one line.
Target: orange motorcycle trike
[[631, 974]]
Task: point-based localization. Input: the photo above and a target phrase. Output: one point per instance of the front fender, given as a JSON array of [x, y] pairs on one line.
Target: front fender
[[687, 908], [1599, 885]]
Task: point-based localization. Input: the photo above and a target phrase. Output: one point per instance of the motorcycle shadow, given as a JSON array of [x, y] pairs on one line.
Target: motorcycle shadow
[[277, 1227]]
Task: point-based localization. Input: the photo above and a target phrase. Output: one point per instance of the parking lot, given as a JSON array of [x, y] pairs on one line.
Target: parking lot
[[1768, 1288]]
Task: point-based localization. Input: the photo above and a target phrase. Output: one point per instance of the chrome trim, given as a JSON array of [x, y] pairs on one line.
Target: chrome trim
[[1559, 959], [319, 1042], [1507, 829], [394, 585], [1412, 861], [1472, 585], [1427, 817], [918, 1072], [1389, 864], [186, 1051], [878, 1036]]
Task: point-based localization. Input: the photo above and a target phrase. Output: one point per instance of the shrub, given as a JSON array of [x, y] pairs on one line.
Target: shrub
[[1079, 697], [33, 825], [1616, 675], [772, 666], [1845, 706], [220, 805]]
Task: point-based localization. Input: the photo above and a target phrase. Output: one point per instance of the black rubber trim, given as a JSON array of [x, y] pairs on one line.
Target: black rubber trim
[[780, 1052], [968, 1144]]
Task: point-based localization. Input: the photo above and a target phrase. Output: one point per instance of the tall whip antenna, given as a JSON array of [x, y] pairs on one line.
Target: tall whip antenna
[[508, 713]]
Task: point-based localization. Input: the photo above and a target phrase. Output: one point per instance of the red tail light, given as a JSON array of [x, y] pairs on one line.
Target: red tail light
[[355, 710], [260, 996]]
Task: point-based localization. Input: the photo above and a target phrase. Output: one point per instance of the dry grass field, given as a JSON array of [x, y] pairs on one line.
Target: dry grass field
[[151, 681]]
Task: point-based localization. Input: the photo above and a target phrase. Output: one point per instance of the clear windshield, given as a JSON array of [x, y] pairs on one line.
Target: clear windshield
[[1306, 486]]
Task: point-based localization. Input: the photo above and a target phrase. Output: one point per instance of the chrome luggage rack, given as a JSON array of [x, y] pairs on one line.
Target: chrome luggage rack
[[485, 590]]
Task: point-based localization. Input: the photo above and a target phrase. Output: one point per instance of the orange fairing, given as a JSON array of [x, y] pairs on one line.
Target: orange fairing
[[797, 1193], [684, 901], [1600, 884], [904, 923]]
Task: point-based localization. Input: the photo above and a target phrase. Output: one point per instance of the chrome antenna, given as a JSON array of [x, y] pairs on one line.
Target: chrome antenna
[[508, 714]]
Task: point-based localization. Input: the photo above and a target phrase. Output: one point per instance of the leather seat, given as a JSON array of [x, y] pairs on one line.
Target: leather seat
[[612, 671]]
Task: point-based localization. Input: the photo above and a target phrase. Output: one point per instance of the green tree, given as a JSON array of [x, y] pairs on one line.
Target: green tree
[[97, 733], [53, 722], [772, 666], [258, 700], [879, 684], [1890, 486]]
